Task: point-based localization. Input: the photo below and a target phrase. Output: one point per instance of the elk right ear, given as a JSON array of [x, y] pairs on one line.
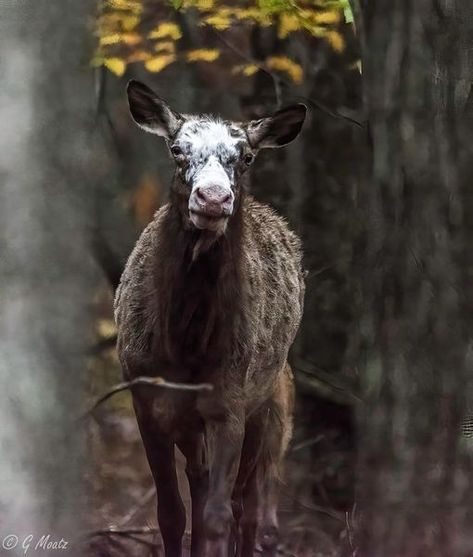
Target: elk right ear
[[150, 112]]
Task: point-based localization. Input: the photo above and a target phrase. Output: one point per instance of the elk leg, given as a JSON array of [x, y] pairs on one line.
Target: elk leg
[[193, 449], [160, 453], [234, 547], [276, 439], [269, 519], [224, 442], [246, 492], [249, 521]]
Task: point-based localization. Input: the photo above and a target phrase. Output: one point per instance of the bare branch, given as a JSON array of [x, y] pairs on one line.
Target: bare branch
[[156, 382], [114, 531], [147, 497], [312, 507], [278, 81]]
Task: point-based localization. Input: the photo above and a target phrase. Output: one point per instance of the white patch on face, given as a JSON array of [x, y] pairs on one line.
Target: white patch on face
[[211, 149], [203, 138], [212, 173], [205, 135]]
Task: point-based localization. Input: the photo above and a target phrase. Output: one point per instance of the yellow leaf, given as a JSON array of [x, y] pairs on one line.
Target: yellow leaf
[[254, 14], [165, 30], [131, 39], [201, 5], [288, 23], [329, 17], [220, 21], [129, 5], [158, 63], [129, 22], [336, 41], [246, 69], [138, 56], [106, 40], [284, 64], [203, 55], [115, 65]]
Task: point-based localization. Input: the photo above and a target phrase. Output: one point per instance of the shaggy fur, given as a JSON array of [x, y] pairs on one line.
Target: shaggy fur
[[236, 309]]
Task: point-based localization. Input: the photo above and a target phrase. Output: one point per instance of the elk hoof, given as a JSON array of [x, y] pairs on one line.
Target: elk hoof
[[270, 538], [217, 519]]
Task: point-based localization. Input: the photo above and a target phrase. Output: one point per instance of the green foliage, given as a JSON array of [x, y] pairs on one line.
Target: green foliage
[[347, 11], [124, 38]]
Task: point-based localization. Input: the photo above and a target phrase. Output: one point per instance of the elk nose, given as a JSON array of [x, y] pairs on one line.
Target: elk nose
[[213, 196]]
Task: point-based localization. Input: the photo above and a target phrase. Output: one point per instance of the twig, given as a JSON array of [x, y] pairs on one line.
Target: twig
[[317, 508], [308, 443], [147, 497], [349, 532], [114, 531], [349, 517], [130, 534], [277, 80], [337, 388], [156, 382]]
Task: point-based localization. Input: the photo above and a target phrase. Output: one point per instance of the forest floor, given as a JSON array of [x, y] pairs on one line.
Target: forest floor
[[122, 497]]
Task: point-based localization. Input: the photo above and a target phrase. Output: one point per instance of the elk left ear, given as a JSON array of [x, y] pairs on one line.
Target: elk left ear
[[279, 129], [151, 112]]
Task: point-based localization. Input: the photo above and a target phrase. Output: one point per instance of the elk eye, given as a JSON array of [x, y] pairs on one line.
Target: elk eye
[[248, 159], [176, 151]]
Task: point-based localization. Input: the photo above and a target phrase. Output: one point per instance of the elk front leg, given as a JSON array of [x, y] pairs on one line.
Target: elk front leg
[[160, 453], [224, 442], [193, 448]]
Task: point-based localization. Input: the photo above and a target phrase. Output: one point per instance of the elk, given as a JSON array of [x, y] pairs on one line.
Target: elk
[[213, 292]]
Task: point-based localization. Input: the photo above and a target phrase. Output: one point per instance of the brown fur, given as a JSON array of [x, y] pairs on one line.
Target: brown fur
[[225, 314]]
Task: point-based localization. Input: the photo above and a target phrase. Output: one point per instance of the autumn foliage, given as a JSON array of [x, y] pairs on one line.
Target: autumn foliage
[[151, 33]]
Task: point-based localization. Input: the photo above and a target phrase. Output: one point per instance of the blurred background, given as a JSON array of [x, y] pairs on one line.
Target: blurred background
[[80, 182]]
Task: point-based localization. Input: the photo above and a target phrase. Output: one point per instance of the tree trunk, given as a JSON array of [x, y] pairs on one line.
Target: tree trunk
[[46, 273], [415, 484]]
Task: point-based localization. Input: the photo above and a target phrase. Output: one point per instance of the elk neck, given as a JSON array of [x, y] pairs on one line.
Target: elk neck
[[201, 289]]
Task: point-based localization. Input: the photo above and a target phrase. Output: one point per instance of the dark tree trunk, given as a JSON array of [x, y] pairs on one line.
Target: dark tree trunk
[[415, 484]]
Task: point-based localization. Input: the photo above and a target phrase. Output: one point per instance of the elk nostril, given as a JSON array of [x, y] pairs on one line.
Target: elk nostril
[[200, 195], [226, 198]]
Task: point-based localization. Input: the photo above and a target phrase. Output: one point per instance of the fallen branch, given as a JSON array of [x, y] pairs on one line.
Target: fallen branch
[[113, 531], [131, 534], [156, 382], [147, 497]]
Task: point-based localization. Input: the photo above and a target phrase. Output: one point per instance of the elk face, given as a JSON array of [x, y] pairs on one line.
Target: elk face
[[211, 155]]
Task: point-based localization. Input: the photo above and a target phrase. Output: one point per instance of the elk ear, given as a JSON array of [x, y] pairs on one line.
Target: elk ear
[[279, 129], [150, 112]]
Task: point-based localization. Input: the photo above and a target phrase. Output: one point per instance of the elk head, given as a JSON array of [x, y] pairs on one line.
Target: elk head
[[211, 155]]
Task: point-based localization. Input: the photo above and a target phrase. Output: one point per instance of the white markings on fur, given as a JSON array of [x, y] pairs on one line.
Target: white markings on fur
[[208, 135], [212, 173], [202, 138], [211, 149]]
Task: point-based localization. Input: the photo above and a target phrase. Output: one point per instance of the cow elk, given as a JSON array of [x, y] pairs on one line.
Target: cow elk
[[213, 292]]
